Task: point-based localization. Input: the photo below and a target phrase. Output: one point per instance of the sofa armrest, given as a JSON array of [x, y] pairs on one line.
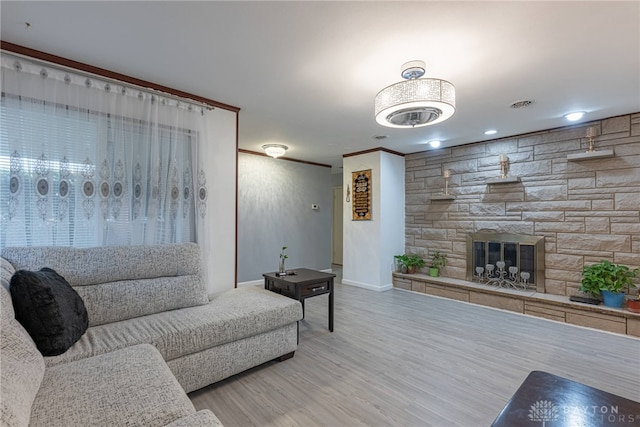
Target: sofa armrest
[[203, 418]]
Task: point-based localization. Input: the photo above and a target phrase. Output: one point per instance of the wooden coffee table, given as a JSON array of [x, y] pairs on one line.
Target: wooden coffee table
[[546, 399], [302, 284]]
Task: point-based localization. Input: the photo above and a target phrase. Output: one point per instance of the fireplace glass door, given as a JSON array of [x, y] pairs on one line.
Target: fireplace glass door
[[506, 260]]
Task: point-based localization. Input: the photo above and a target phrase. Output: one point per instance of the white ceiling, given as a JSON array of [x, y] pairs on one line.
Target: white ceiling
[[305, 74]]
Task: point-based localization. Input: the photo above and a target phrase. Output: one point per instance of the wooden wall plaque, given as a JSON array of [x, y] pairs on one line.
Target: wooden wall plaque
[[361, 205]]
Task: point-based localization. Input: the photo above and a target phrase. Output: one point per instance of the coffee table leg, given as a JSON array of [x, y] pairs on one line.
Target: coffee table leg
[[331, 305]]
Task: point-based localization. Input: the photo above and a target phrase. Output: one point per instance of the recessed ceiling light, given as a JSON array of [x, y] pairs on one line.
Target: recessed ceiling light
[[572, 117], [490, 132], [435, 143]]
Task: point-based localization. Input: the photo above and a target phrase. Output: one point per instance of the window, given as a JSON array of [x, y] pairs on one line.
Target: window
[[116, 167]]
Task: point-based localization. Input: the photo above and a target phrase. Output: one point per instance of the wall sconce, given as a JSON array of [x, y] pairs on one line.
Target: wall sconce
[[504, 165], [348, 199], [447, 175], [275, 150]]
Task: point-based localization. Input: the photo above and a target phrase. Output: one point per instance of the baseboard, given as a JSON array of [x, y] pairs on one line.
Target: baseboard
[[251, 283], [367, 285]]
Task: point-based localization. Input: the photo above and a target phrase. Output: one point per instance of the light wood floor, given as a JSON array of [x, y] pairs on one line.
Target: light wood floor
[[403, 359]]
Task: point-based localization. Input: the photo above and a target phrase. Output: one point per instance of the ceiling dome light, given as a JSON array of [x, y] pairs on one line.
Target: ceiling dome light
[[490, 132], [274, 150], [415, 102], [435, 143], [575, 116]]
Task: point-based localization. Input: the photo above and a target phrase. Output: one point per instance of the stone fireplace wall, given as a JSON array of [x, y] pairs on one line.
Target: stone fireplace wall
[[587, 210]]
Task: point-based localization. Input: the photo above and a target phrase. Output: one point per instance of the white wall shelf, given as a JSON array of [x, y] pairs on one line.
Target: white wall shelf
[[442, 198], [507, 180], [590, 155]]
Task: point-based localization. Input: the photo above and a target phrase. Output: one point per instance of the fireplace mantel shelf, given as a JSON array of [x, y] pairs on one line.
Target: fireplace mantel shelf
[[530, 302]]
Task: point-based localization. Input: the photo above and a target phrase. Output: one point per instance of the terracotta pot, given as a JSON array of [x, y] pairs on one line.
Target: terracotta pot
[[633, 305]]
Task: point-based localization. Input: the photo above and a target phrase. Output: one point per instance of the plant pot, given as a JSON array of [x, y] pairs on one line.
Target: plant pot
[[411, 270], [633, 305], [434, 272], [613, 299]]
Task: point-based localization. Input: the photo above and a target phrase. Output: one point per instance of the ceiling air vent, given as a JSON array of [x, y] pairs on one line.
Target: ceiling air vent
[[521, 104]]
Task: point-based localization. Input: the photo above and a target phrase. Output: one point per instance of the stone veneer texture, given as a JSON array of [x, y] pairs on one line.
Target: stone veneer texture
[[587, 210]]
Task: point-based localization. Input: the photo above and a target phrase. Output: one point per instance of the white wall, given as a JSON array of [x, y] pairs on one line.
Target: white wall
[[392, 213], [219, 243], [369, 246]]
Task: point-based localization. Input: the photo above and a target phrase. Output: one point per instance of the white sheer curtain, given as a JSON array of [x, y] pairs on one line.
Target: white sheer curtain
[[90, 162]]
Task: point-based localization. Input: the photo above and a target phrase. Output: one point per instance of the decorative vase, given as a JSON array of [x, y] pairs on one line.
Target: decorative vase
[[434, 272], [281, 269], [613, 299]]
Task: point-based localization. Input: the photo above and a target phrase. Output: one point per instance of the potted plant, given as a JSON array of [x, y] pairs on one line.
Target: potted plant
[[414, 262], [609, 280], [401, 263], [409, 263], [633, 303], [438, 261], [283, 257]]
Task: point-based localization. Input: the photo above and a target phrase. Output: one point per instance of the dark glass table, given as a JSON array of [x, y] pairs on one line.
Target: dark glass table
[[544, 399]]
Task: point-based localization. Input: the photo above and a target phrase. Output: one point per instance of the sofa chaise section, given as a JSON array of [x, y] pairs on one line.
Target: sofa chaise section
[[235, 331], [156, 295]]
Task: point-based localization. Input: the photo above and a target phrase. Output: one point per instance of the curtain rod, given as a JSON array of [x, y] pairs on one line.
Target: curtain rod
[[117, 82], [86, 70]]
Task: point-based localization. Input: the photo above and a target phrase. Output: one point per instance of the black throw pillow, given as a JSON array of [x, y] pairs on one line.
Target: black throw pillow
[[49, 309]]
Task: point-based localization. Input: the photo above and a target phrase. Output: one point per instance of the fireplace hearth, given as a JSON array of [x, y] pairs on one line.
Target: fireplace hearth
[[506, 260]]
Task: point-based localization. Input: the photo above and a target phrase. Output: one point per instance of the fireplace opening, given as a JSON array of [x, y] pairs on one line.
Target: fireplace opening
[[506, 260]]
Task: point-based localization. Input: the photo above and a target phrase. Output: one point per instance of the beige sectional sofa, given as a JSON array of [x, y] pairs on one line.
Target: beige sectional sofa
[[153, 336]]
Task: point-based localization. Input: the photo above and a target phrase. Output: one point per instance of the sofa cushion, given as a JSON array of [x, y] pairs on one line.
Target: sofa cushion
[[122, 282], [130, 387], [49, 309], [21, 367], [103, 264], [232, 315], [126, 299]]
